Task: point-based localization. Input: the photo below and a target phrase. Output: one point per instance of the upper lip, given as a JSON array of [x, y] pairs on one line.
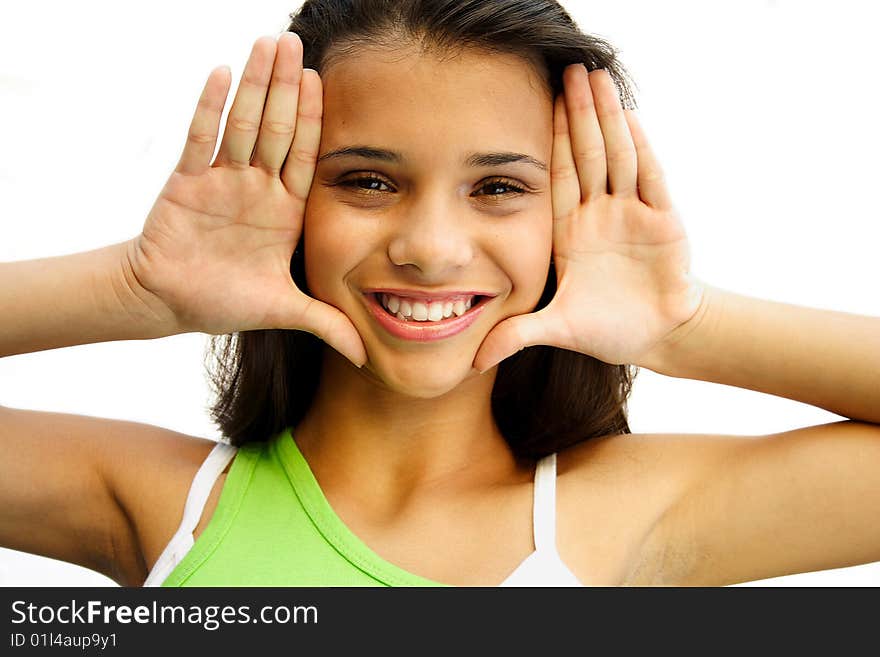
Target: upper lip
[[427, 295]]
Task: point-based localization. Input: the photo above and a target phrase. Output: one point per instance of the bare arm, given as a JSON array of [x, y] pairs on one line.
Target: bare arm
[[766, 506], [106, 494], [77, 299], [69, 484], [824, 358], [90, 490], [797, 501], [56, 497]]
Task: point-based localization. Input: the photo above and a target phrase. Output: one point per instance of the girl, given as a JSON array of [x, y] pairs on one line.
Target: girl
[[486, 256]]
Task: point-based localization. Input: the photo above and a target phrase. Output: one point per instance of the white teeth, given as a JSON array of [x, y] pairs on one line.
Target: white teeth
[[419, 311], [422, 311], [435, 311]]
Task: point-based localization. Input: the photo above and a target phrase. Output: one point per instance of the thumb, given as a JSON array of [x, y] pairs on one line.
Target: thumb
[[328, 323], [510, 336]]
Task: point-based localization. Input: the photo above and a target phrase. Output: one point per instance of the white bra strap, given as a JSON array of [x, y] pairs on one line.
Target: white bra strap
[[544, 514], [199, 491]]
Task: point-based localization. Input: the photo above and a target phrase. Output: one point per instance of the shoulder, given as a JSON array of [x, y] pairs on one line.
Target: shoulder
[[800, 500], [615, 492], [664, 463], [149, 474], [710, 510]]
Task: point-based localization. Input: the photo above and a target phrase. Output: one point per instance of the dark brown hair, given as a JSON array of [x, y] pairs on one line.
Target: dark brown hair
[[544, 398]]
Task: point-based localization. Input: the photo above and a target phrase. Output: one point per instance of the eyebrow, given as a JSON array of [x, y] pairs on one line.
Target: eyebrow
[[473, 160]]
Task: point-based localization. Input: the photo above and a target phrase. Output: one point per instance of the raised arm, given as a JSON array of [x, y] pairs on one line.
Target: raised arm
[[214, 257], [820, 357], [76, 299], [743, 508], [791, 502]]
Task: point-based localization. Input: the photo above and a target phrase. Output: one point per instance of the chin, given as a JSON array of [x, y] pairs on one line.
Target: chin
[[420, 380]]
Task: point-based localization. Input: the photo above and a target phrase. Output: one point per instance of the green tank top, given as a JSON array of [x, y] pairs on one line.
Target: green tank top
[[272, 526]]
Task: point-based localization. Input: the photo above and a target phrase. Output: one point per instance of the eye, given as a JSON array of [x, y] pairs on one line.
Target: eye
[[500, 188], [367, 184], [370, 184]]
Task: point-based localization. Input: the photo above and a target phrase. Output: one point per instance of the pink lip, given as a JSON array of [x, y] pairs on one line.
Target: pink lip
[[422, 331], [427, 296]]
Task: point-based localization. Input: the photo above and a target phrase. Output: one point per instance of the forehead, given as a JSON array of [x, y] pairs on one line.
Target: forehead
[[474, 99]]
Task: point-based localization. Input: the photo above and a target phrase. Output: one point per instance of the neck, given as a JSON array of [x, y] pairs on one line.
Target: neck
[[359, 436]]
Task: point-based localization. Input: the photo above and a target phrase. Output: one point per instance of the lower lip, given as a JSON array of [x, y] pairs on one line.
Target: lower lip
[[423, 331]]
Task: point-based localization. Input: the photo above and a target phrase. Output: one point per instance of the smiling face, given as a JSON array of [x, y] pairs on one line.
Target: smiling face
[[432, 183]]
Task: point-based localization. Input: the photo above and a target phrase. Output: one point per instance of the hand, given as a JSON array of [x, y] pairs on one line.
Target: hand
[[620, 251], [217, 244]]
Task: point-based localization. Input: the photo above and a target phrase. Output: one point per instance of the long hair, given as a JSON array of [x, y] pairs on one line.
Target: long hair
[[544, 398]]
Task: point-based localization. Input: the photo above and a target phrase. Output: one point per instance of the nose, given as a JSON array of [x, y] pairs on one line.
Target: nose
[[433, 239]]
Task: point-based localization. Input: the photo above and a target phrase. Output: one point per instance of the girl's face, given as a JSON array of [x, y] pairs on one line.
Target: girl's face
[[432, 184]]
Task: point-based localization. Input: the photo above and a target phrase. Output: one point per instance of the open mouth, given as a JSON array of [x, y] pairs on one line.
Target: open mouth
[[423, 312]]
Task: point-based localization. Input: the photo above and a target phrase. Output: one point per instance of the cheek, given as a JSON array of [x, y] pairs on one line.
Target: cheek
[[527, 260], [331, 248]]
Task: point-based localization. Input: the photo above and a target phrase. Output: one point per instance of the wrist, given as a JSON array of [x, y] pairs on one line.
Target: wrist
[[80, 298], [143, 313], [678, 353]]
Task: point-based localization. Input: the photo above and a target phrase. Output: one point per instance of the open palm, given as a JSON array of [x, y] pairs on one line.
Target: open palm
[[620, 250], [217, 244]]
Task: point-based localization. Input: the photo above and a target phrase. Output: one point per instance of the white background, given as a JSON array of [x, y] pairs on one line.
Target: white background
[[762, 113]]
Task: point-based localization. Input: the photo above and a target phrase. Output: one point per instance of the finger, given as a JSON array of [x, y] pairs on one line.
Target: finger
[[587, 143], [278, 123], [651, 181], [329, 324], [205, 125], [511, 335], [243, 121], [299, 168], [620, 152], [565, 187]]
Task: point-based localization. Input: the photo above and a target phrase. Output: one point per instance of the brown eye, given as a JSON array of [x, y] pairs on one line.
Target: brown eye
[[499, 188], [366, 184]]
